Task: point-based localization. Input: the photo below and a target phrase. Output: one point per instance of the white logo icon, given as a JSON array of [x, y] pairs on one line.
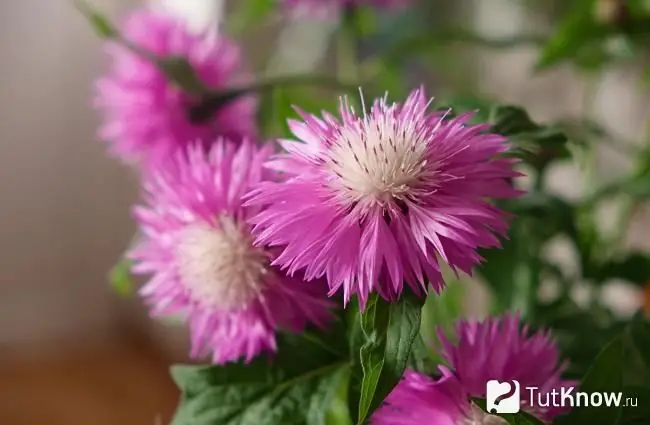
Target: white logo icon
[[503, 397]]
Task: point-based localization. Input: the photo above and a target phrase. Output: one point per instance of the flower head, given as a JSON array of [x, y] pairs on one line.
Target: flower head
[[500, 349], [418, 399], [199, 250], [146, 117], [375, 200]]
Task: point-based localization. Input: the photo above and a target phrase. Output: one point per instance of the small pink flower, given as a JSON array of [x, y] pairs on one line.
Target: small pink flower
[[145, 116], [375, 201], [199, 252], [500, 349]]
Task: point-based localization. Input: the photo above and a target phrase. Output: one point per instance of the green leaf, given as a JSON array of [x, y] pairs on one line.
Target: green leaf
[[120, 278], [511, 120], [521, 418], [537, 144], [389, 330], [605, 375], [636, 409], [578, 29], [639, 332], [339, 412], [461, 104], [99, 22], [295, 387]]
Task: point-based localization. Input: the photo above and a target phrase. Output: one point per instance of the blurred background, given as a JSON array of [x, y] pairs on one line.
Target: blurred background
[[71, 351]]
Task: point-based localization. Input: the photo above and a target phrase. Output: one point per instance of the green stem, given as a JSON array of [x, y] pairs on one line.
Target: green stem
[[213, 101]]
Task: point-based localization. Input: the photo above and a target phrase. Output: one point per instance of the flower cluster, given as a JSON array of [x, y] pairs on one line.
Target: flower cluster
[[245, 237], [243, 241]]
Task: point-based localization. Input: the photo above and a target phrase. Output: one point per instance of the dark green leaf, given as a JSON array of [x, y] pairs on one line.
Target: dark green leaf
[[389, 330], [120, 278], [638, 352], [521, 418], [605, 375], [461, 104], [423, 357], [510, 120], [513, 121], [578, 29], [537, 144], [636, 405], [295, 387]]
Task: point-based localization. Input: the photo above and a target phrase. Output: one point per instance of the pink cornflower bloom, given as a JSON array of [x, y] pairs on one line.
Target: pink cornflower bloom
[[374, 201], [146, 117], [499, 348], [197, 247], [419, 400]]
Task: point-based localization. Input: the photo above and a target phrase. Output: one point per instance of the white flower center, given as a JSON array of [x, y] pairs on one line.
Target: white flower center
[[478, 417], [380, 160], [219, 265]]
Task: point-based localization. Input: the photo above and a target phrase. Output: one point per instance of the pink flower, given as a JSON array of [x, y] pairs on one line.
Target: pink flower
[[199, 250], [377, 200], [145, 117], [419, 400], [499, 349]]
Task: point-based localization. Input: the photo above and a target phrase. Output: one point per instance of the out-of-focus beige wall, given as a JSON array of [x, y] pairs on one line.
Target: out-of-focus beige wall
[[63, 204]]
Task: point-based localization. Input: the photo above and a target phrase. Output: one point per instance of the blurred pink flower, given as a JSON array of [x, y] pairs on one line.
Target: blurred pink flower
[[198, 248], [145, 117], [499, 348], [374, 201]]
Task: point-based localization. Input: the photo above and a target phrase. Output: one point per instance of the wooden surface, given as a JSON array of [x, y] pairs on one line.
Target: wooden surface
[[117, 382]]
